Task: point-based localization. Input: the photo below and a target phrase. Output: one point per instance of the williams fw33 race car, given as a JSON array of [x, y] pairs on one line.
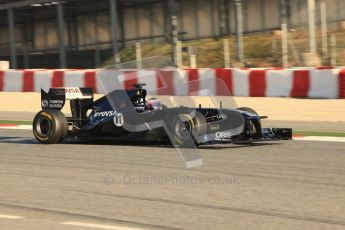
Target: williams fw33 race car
[[127, 115]]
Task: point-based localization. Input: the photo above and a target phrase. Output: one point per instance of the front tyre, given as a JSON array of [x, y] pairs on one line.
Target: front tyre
[[186, 127], [254, 126], [50, 126], [181, 130]]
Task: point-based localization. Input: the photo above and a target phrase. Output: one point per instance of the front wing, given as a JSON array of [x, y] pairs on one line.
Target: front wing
[[268, 134]]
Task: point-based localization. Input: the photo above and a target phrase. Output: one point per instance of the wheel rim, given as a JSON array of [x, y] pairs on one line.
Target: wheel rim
[[183, 129], [43, 127]]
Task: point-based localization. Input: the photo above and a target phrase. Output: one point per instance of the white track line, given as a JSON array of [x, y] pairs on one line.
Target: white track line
[[19, 127], [101, 226], [316, 138], [10, 217]]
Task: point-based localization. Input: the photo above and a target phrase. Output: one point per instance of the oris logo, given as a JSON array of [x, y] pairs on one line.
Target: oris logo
[[223, 135]]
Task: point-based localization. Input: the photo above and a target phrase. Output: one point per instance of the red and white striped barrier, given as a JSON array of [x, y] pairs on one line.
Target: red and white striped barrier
[[297, 82]]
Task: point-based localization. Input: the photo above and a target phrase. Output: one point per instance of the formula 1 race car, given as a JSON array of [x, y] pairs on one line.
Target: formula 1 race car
[[127, 115]]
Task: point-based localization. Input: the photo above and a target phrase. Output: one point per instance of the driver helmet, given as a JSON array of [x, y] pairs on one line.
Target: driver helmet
[[154, 104]]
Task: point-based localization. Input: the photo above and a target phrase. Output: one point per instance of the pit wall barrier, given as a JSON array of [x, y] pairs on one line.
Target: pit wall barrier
[[272, 82]]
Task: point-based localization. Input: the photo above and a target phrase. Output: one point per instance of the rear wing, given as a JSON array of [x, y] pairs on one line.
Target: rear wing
[[56, 97]]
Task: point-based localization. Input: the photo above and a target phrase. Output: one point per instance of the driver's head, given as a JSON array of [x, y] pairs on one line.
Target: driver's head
[[154, 104]]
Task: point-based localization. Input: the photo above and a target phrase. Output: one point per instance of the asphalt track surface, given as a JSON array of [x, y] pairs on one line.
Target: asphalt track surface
[[283, 185]]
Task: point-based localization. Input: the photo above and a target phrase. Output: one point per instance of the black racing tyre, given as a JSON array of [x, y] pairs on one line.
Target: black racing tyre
[[64, 125], [186, 127], [201, 126], [181, 129], [254, 126], [50, 126]]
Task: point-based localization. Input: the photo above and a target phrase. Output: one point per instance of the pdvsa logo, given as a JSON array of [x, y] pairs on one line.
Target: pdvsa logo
[[105, 114]]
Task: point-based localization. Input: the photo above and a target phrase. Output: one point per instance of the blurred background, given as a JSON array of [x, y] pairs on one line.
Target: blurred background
[[193, 33]]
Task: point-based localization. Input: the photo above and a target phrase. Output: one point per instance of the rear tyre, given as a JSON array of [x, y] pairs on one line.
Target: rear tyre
[[64, 125], [50, 126]]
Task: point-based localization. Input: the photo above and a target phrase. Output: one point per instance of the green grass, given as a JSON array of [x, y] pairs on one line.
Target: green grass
[[320, 133], [15, 122]]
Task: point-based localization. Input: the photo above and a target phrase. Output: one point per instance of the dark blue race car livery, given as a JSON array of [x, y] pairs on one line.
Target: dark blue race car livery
[[127, 115]]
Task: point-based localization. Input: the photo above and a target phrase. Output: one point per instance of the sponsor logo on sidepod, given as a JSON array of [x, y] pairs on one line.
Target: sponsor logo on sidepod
[[105, 114]]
